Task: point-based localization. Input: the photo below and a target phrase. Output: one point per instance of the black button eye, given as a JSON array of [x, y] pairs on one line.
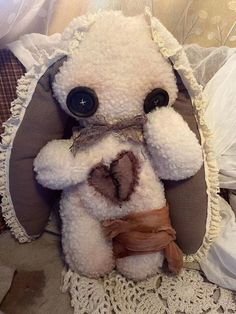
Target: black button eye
[[156, 98], [82, 101]]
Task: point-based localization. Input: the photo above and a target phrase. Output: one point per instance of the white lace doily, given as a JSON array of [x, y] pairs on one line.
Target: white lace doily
[[188, 293]]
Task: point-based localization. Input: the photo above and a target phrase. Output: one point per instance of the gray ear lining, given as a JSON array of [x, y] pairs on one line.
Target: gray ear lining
[[188, 198], [43, 121], [47, 79]]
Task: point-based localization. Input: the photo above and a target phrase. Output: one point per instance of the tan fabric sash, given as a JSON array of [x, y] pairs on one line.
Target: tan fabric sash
[[142, 233]]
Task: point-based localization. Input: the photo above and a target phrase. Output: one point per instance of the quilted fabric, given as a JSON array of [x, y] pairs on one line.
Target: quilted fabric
[[10, 71]]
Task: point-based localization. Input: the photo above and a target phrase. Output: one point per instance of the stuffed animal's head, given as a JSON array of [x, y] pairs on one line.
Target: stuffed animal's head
[[116, 73]]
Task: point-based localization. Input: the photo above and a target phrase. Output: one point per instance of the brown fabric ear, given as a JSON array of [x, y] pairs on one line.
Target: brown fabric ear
[[188, 198], [43, 121]]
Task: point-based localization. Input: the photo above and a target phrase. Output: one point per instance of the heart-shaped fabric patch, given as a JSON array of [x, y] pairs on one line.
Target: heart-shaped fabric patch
[[118, 182]]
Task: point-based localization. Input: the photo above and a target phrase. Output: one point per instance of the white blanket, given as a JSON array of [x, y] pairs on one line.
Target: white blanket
[[220, 92], [219, 265]]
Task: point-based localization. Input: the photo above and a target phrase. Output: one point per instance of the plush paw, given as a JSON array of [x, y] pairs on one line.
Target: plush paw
[[139, 267], [174, 148]]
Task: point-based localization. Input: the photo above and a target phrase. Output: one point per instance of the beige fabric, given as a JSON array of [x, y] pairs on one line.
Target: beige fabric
[[6, 276], [35, 287], [205, 22]]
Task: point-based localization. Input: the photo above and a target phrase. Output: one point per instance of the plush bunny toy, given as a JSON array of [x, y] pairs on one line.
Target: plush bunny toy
[[113, 207]]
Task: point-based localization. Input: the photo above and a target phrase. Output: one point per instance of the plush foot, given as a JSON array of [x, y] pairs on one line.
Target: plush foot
[[97, 263], [85, 248], [139, 267]]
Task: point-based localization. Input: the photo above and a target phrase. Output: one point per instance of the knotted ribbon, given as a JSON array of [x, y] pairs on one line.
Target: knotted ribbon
[[142, 233]]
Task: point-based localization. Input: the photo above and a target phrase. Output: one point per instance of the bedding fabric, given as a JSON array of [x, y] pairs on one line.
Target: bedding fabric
[[219, 263], [221, 117]]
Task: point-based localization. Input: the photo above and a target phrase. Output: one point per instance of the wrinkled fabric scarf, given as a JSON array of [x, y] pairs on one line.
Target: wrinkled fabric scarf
[[127, 130], [142, 233]]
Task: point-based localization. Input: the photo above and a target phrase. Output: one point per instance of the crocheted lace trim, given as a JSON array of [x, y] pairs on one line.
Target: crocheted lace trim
[[187, 293]]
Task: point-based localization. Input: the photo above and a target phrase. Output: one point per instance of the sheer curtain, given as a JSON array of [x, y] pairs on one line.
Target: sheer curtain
[[19, 17]]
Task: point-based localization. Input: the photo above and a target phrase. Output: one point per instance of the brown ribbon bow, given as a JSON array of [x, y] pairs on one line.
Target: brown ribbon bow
[[142, 233]]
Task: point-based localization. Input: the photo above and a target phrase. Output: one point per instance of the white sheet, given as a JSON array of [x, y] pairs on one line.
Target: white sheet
[[18, 17], [219, 265], [220, 92], [32, 48]]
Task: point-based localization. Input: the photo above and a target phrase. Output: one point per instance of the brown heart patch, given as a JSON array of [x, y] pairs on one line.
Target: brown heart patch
[[118, 182]]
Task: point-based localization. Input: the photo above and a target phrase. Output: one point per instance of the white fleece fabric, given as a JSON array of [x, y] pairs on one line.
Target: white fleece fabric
[[118, 59]]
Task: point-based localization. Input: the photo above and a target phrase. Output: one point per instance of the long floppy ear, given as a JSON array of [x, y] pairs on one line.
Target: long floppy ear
[[27, 204], [188, 198]]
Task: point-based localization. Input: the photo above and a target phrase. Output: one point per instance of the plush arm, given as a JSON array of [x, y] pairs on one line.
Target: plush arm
[[174, 148], [54, 165], [57, 168]]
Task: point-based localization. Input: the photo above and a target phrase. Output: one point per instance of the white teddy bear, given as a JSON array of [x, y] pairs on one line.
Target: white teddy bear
[[118, 85]]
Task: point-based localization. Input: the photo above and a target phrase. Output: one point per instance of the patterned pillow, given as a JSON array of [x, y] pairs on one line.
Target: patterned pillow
[[10, 71]]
